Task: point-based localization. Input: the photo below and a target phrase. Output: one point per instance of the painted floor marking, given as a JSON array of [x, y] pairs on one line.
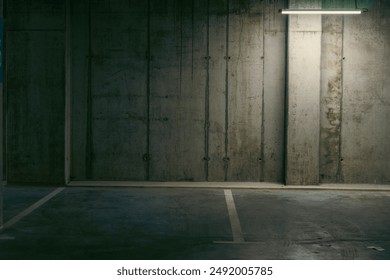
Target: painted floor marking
[[238, 237], [33, 207]]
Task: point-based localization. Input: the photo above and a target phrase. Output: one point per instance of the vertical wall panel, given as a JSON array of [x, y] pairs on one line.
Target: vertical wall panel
[[35, 66], [217, 88], [189, 124], [366, 102], [118, 89], [178, 80], [304, 53], [331, 98], [80, 76], [35, 95], [68, 93], [274, 92], [164, 88], [245, 90]]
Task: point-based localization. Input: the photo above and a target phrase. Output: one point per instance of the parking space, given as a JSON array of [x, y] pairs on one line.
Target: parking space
[[189, 223]]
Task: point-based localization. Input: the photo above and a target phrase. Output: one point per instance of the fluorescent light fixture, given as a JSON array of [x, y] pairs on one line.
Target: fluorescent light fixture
[[322, 11]]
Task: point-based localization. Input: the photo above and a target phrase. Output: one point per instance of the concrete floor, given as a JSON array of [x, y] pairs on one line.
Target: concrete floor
[[188, 223]]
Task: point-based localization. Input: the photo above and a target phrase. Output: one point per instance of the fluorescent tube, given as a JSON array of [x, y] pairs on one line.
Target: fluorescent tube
[[321, 11]]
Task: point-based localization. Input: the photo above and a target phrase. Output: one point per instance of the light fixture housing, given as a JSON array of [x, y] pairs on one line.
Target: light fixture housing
[[322, 11]]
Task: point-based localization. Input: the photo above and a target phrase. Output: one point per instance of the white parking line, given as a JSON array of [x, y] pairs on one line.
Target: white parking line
[[238, 237], [33, 207]]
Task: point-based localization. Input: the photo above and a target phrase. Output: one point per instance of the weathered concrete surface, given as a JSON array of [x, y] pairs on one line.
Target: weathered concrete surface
[[109, 90], [165, 31], [118, 77], [304, 59], [245, 73], [331, 98], [202, 96], [178, 78], [366, 101], [217, 89], [184, 91], [186, 162], [35, 15], [35, 91], [193, 85], [274, 93], [35, 101], [80, 80]]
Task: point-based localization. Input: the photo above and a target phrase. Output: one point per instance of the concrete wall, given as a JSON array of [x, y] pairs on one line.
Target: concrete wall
[[365, 129], [195, 90], [176, 90], [35, 90]]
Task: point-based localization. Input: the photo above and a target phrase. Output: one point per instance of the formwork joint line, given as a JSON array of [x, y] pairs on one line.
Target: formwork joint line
[[32, 208]]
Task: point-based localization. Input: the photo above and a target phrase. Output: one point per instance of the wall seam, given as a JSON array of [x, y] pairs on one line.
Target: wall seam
[[89, 143], [68, 93], [4, 96], [148, 90], [1, 124], [192, 37], [226, 158], [262, 144], [339, 176], [207, 98], [286, 104], [181, 47]]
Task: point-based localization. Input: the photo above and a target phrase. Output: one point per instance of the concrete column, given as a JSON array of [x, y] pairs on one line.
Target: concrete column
[[303, 96]]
